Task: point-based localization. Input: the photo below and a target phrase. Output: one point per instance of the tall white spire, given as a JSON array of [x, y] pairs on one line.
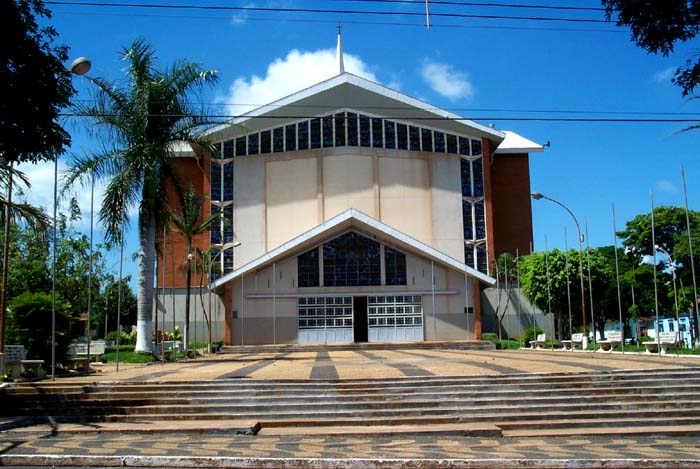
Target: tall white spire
[[339, 52]]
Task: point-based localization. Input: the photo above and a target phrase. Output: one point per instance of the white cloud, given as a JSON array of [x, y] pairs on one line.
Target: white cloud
[[445, 80], [242, 16], [285, 76], [662, 76], [667, 186]]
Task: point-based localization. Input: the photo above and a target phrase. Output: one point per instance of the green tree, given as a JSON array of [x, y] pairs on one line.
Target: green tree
[[140, 123], [658, 27], [29, 324], [188, 224], [104, 306]]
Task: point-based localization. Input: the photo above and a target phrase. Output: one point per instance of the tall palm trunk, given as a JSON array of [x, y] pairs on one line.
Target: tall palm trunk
[[147, 260]]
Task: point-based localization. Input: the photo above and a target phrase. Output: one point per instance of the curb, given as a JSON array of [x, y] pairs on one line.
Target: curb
[[332, 463]]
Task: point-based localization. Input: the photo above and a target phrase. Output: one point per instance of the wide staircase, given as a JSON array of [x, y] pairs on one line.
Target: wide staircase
[[650, 402]]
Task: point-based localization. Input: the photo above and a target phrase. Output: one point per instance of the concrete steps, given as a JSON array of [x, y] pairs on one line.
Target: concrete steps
[[291, 348], [532, 404]]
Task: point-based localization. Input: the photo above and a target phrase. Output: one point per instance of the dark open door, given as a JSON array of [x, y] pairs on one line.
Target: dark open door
[[359, 318]]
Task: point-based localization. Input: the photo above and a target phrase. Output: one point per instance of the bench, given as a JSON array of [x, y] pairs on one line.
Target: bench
[[170, 348], [665, 340], [538, 342], [614, 338], [571, 344], [16, 361], [78, 353]]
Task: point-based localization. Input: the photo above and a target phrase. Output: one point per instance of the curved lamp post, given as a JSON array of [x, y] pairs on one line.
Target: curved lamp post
[[79, 66], [222, 249], [538, 196]]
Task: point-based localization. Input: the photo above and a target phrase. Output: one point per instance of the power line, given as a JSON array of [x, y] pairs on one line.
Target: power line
[[487, 5], [320, 10], [345, 21], [414, 118]]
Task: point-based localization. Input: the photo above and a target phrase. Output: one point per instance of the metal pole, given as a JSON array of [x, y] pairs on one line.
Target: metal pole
[[656, 290], [617, 281], [165, 247], [274, 304], [696, 330], [89, 305], [432, 282], [517, 279], [242, 303], [546, 269], [119, 292], [195, 309], [568, 284], [5, 266], [53, 269], [590, 284], [466, 300]]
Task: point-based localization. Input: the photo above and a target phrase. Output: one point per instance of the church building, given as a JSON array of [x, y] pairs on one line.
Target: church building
[[356, 213]]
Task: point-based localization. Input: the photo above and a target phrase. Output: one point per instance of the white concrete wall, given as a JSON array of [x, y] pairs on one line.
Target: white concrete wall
[[174, 300]]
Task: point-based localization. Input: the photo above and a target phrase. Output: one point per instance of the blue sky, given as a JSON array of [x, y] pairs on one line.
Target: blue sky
[[482, 68]]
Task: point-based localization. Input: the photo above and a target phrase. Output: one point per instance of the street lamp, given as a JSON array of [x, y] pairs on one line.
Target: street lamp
[[538, 196], [80, 66], [222, 249]]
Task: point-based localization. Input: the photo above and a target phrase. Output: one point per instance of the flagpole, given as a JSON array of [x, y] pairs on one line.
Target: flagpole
[[617, 280], [692, 260]]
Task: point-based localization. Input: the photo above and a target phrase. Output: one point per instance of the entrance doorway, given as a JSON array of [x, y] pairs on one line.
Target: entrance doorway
[[359, 318]]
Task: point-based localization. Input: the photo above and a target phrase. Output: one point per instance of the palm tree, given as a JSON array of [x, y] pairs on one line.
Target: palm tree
[[140, 122], [188, 225]]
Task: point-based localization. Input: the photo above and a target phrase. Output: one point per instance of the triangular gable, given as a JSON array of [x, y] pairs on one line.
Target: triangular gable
[[341, 223], [350, 91]]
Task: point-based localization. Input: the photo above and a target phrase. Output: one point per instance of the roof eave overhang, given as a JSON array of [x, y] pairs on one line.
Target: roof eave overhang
[[293, 104], [341, 223]]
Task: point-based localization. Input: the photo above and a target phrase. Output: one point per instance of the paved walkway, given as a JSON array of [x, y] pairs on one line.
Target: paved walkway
[[213, 448], [365, 364]]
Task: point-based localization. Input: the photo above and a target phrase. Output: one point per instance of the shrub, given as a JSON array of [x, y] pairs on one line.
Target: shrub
[[531, 334], [645, 338], [490, 336]]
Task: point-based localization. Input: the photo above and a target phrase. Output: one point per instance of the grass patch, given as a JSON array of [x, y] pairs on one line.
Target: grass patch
[[128, 356]]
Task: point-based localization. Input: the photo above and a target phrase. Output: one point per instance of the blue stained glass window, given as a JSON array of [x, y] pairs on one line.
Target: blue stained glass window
[[414, 138], [215, 231], [467, 220], [228, 228], [365, 137], [216, 151], [340, 130], [228, 149], [427, 138], [377, 136], [466, 170], [464, 146], [253, 144], [316, 133], [240, 146], [290, 138], [469, 256], [351, 260], [482, 260], [401, 136], [480, 220], [215, 181], [439, 142], [228, 260], [394, 267], [476, 147], [327, 131], [352, 129], [266, 141], [278, 140], [303, 135], [389, 134], [478, 175], [228, 182], [308, 269], [452, 144]]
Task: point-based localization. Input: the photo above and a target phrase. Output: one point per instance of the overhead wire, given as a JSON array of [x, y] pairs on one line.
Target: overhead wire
[[321, 11]]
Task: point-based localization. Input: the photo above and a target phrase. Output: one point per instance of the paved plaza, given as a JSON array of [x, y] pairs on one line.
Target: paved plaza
[[156, 445]]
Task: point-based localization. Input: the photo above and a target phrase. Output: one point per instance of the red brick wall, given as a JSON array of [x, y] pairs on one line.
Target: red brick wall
[[509, 209], [188, 170]]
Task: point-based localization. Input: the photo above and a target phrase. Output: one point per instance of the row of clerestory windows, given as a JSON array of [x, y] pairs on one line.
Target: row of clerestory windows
[[349, 129]]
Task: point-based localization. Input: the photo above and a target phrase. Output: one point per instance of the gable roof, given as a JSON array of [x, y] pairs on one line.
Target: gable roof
[[341, 223], [350, 91]]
